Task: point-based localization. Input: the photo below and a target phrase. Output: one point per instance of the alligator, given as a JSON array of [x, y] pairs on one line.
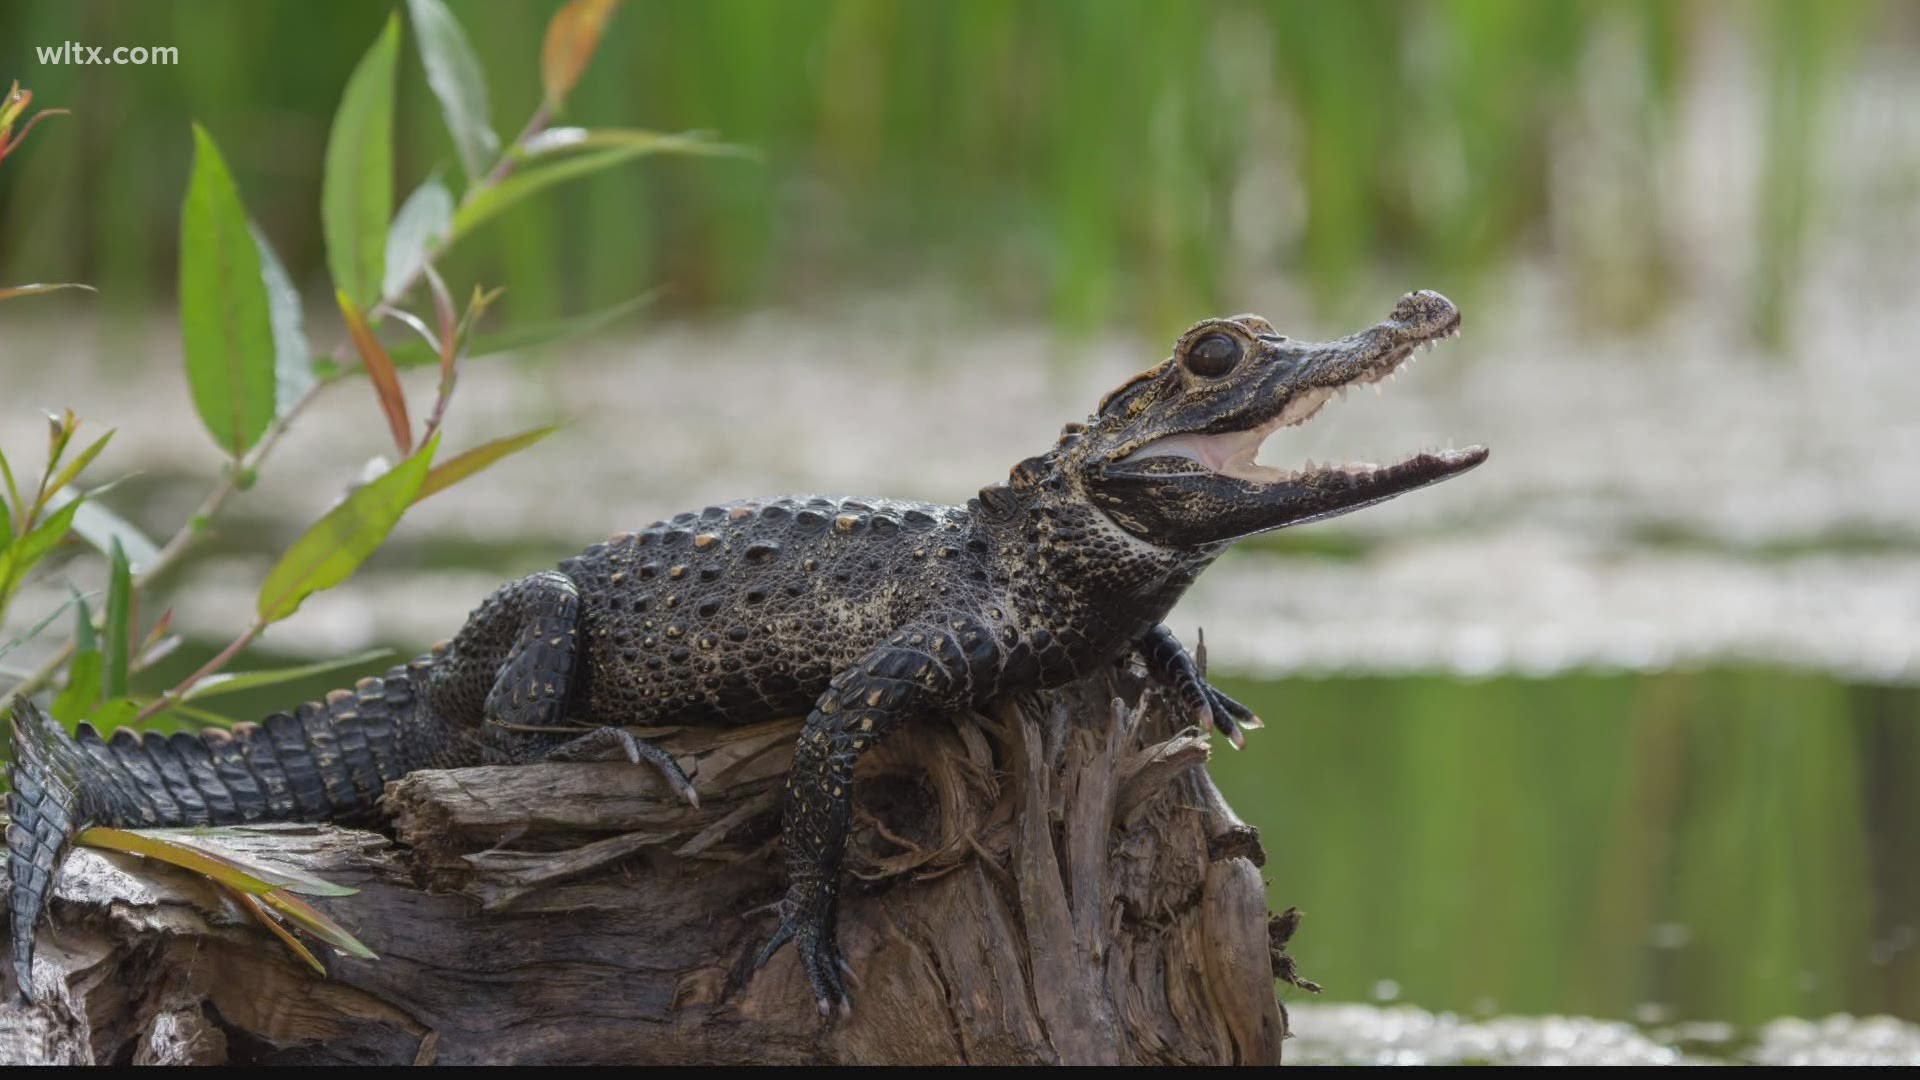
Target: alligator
[[867, 612]]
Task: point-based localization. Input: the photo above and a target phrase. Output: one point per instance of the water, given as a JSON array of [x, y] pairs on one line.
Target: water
[[1727, 845]]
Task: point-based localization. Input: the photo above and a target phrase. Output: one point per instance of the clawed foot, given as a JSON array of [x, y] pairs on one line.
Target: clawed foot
[[614, 744], [1226, 715], [827, 971], [1184, 673]]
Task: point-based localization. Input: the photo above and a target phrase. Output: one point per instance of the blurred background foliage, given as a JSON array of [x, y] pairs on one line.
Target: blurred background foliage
[[1082, 160]]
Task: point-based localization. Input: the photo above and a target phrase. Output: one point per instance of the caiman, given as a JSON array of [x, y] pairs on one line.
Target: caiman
[[868, 612]]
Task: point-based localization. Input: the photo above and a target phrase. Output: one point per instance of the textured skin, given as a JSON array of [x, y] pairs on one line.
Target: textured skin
[[867, 612]]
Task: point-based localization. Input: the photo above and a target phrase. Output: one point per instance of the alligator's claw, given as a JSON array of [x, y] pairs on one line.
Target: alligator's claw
[[827, 971], [1229, 716]]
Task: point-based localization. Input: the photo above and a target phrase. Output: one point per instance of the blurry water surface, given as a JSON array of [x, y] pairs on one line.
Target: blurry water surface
[[1731, 844]]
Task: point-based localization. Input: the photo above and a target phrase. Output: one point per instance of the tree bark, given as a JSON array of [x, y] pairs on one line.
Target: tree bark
[[1058, 882]]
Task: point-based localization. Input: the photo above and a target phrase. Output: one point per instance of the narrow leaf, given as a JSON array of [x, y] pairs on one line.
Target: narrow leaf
[[292, 355], [225, 325], [207, 840], [572, 37], [73, 704], [11, 291], [13, 489], [31, 548], [454, 74], [119, 629], [214, 685], [534, 334], [338, 543], [85, 637], [271, 921], [465, 464], [422, 226], [356, 197], [219, 867], [36, 629], [313, 921], [489, 202], [386, 381], [73, 468], [202, 717], [103, 528]]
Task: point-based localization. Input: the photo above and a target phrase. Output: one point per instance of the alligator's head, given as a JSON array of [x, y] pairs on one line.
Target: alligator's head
[[1169, 455]]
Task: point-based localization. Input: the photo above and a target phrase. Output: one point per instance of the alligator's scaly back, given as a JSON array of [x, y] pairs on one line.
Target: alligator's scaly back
[[325, 761]]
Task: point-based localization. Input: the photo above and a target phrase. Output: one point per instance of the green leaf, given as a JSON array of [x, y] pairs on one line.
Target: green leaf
[[545, 172], [225, 683], [35, 630], [423, 224], [9, 292], [83, 688], [114, 714], [454, 74], [313, 921], [338, 543], [356, 196], [85, 639], [204, 717], [73, 468], [13, 490], [224, 321], [119, 623], [31, 548], [292, 355], [465, 464], [293, 879], [414, 354]]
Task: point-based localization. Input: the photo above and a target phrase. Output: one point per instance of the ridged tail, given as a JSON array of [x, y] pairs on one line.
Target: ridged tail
[[325, 761]]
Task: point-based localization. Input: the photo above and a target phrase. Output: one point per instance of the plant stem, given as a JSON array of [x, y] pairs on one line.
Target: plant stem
[[219, 660]]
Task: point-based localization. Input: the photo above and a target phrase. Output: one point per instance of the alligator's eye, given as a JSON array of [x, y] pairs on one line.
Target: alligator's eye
[[1214, 355]]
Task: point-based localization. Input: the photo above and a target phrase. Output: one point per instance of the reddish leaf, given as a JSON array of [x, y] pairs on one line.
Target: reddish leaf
[[386, 381], [572, 37]]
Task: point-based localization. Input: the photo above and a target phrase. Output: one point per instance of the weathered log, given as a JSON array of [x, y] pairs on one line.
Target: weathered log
[[1060, 882]]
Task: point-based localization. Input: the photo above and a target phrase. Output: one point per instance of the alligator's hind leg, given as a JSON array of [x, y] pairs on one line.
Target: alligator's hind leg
[[514, 665], [1173, 666]]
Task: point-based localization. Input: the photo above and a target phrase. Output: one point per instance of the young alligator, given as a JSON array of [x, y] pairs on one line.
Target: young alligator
[[867, 611]]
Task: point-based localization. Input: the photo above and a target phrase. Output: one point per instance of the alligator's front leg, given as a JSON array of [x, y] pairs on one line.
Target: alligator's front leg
[[1173, 666], [923, 669]]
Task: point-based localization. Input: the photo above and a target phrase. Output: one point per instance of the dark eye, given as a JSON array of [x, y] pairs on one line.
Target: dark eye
[[1213, 356]]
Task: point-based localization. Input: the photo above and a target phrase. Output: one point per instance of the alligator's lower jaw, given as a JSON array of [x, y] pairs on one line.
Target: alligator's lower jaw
[[1367, 482]]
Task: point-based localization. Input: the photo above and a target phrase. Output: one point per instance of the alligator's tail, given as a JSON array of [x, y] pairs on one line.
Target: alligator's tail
[[325, 761]]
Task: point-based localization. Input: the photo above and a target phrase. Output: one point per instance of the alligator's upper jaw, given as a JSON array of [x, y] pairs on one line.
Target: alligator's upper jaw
[[1302, 380]]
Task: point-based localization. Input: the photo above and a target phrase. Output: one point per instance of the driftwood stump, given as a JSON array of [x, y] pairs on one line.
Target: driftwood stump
[[1060, 882]]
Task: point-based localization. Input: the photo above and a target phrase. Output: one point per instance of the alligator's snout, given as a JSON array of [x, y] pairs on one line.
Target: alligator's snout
[[1423, 316]]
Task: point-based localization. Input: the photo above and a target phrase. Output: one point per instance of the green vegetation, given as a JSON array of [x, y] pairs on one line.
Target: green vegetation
[[252, 370], [1087, 160]]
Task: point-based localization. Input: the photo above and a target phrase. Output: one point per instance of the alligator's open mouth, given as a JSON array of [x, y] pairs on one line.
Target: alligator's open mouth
[[1304, 379]]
